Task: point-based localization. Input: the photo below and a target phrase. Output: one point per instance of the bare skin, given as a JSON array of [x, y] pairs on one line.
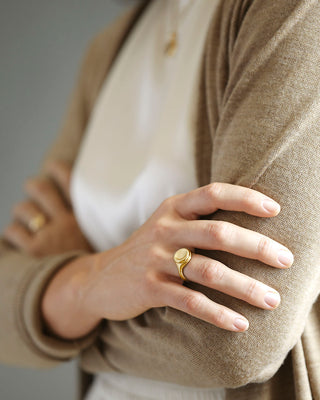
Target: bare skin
[[51, 198], [140, 274]]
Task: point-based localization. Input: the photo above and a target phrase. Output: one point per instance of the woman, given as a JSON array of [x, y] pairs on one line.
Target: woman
[[256, 114]]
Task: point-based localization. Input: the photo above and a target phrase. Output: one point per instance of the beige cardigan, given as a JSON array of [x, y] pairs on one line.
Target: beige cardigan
[[258, 126]]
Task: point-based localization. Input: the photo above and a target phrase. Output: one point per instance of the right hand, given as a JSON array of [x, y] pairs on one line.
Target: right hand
[[140, 274]]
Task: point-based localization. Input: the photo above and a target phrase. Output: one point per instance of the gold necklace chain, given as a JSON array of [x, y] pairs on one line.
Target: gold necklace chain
[[174, 17]]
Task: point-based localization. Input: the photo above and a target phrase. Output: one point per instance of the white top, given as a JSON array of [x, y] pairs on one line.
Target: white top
[[139, 150]]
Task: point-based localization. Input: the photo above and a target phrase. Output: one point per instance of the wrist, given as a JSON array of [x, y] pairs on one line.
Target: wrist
[[64, 303]]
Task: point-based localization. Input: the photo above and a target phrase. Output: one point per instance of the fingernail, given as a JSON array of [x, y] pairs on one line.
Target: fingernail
[[270, 206], [285, 258], [272, 299], [241, 324]]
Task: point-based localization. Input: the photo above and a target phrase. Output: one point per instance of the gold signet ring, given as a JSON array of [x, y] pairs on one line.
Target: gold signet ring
[[36, 223], [181, 258]]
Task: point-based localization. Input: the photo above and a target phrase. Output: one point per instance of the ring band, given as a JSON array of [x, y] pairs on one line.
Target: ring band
[[36, 223], [181, 258]]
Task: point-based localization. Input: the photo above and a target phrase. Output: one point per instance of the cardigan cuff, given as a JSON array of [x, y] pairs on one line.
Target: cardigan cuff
[[29, 313]]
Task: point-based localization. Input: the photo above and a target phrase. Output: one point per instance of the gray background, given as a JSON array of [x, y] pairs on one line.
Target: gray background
[[41, 44]]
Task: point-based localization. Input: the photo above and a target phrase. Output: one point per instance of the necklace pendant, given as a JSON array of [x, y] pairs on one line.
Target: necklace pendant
[[171, 46]]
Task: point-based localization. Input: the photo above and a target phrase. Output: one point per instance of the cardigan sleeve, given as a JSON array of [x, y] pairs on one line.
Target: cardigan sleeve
[[23, 339], [267, 97]]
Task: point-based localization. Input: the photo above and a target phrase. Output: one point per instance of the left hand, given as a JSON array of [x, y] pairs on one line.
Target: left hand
[[49, 205]]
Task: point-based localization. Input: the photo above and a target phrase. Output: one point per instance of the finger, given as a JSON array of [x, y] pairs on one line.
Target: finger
[[225, 196], [43, 192], [200, 306], [225, 236], [19, 236], [214, 274], [26, 211], [60, 171]]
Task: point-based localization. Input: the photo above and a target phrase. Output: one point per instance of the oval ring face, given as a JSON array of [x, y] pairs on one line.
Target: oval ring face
[[181, 255]]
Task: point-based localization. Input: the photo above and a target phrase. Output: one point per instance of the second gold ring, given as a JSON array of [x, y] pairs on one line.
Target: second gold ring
[[37, 222]]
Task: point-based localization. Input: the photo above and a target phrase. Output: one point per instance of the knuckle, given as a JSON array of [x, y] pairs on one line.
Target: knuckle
[[167, 204], [215, 272], [211, 272], [192, 302], [155, 256], [264, 246], [219, 230], [40, 185], [220, 317], [160, 229], [37, 184], [206, 272], [249, 198], [214, 189], [250, 290], [52, 164], [21, 208]]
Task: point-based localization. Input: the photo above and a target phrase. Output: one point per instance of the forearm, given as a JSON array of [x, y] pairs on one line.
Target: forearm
[[23, 340], [22, 278]]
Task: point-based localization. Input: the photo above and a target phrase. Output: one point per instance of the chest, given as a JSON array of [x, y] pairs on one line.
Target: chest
[[139, 147]]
